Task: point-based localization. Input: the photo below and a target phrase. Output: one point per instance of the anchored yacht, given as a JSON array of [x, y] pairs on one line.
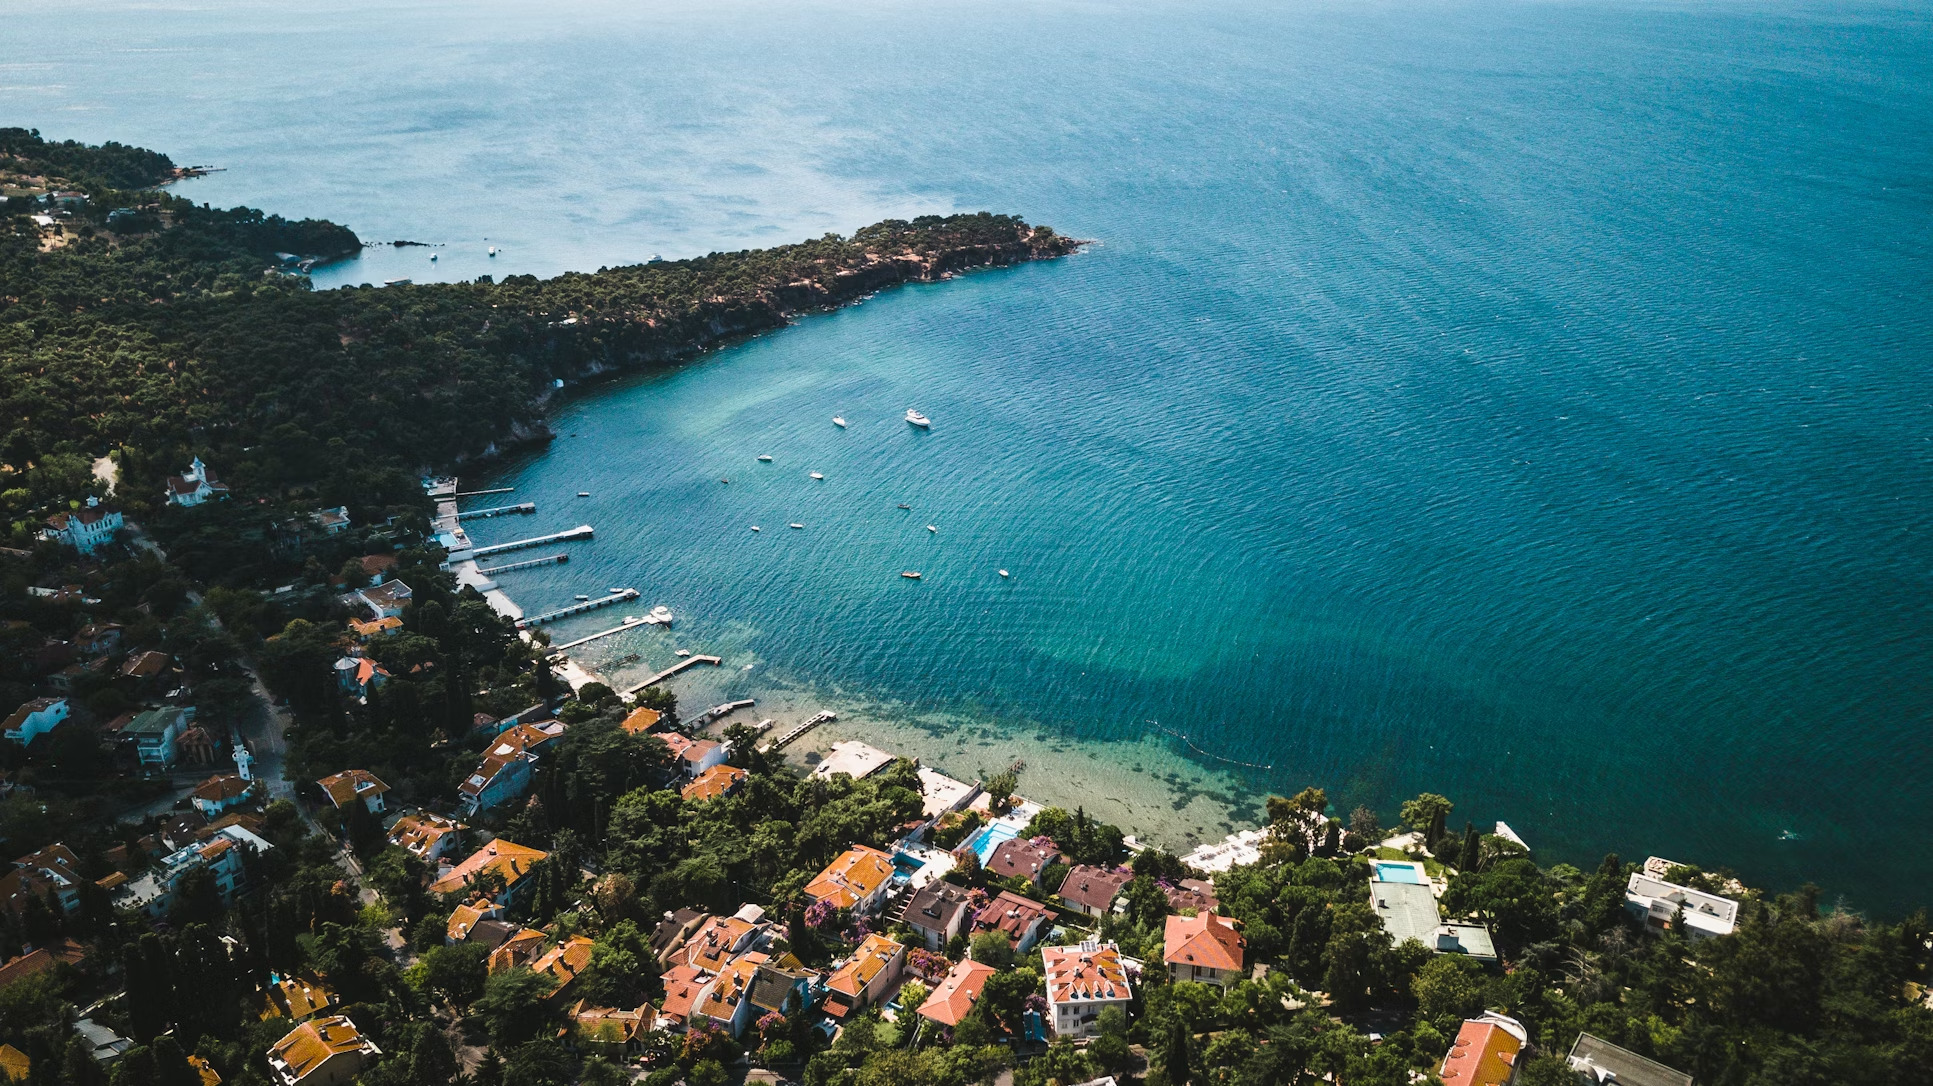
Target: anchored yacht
[[918, 419]]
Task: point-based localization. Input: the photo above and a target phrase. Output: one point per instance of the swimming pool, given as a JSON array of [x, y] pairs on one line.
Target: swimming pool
[[989, 838], [1399, 872]]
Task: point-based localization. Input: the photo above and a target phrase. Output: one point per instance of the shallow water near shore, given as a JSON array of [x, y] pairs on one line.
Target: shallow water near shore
[[1524, 402]]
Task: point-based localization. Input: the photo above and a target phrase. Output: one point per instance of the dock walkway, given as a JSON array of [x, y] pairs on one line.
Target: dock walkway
[[581, 607], [688, 662]]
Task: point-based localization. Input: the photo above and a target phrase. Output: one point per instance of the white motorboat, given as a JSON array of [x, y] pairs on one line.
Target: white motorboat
[[1004, 573], [931, 528], [754, 527], [581, 599], [432, 258], [493, 250], [795, 524], [816, 475], [918, 419], [839, 422], [910, 574], [764, 458]]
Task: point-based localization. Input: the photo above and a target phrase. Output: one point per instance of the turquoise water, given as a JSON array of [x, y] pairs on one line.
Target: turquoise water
[[987, 840], [1525, 402], [1398, 873]]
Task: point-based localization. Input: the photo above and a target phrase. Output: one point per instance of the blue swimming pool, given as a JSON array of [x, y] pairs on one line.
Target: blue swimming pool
[[989, 838], [1393, 872]]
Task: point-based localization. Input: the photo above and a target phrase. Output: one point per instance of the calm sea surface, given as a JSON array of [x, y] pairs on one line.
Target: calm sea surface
[[1526, 402]]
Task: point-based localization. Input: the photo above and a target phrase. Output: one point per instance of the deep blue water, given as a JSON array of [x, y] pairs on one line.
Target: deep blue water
[[1526, 402]]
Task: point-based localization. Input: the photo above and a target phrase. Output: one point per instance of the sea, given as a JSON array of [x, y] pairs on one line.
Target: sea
[[1529, 402]]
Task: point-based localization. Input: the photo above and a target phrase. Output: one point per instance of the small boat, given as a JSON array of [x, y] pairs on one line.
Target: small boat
[[764, 458], [583, 493], [795, 524], [684, 652], [910, 574], [754, 527], [432, 258], [747, 667], [581, 599], [930, 528], [727, 482], [1004, 573], [493, 250], [918, 419], [839, 422], [903, 505], [816, 475], [615, 591]]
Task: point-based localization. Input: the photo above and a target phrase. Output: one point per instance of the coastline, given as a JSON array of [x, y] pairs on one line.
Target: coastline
[[1149, 788]]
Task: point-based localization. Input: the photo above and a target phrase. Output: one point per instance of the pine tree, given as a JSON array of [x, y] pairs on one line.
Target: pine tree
[[1174, 1054]]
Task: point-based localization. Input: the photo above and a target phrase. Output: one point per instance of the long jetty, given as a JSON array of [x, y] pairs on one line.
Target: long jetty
[[718, 712], [523, 508], [580, 607], [816, 719], [481, 493], [627, 624], [529, 563], [582, 531], [688, 662]]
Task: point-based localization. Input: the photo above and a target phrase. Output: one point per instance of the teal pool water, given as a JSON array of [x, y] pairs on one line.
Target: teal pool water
[[1398, 873], [988, 839], [1526, 402]]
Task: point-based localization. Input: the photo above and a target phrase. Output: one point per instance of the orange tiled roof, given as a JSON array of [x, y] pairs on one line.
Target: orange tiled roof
[[507, 858], [866, 963], [853, 877], [712, 945], [682, 987], [311, 1044], [515, 951], [610, 1025], [954, 998], [14, 1064], [1484, 1054], [564, 961], [1204, 940], [223, 788], [465, 917], [419, 832], [1010, 913], [351, 784], [1075, 974], [720, 1001], [714, 782], [300, 998], [641, 720]]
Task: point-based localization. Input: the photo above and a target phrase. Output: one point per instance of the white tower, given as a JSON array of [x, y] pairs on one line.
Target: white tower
[[243, 760]]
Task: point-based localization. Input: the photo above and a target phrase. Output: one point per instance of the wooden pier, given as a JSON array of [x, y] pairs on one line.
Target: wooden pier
[[718, 712], [582, 531], [580, 607], [816, 719], [627, 624], [523, 509], [529, 563], [688, 662], [481, 493]]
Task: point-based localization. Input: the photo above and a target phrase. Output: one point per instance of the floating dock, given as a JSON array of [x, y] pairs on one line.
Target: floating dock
[[582, 531], [580, 607], [481, 493], [524, 509], [529, 563], [688, 662], [718, 712], [824, 717]]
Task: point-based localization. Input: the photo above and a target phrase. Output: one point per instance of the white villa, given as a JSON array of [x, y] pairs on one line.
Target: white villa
[[195, 486]]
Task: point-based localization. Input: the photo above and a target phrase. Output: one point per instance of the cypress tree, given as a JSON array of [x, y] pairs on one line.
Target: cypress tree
[[1471, 854], [1174, 1054]]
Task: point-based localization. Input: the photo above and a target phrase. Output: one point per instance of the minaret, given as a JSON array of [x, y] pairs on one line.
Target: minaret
[[243, 760]]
